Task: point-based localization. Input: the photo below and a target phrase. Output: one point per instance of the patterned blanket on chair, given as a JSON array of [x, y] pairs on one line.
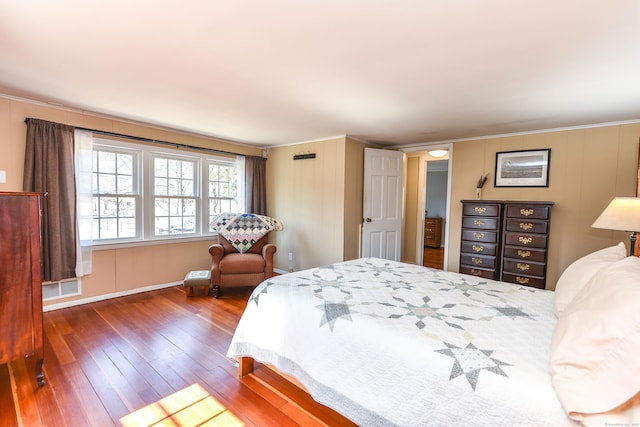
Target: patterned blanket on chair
[[244, 230]]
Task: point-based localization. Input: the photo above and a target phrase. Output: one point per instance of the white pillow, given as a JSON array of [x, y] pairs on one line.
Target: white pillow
[[595, 349], [576, 276]]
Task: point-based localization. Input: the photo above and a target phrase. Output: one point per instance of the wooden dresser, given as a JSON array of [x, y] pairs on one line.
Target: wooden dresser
[[433, 232], [525, 243], [480, 238], [21, 333], [506, 240]]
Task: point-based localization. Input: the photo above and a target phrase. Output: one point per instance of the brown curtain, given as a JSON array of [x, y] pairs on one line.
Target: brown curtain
[[255, 171], [48, 168]]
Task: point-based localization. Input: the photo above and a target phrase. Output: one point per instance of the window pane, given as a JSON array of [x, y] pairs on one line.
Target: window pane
[[127, 227], [187, 170], [127, 207], [125, 184], [189, 207], [106, 162], [174, 187], [108, 228], [125, 164], [161, 225], [160, 167]]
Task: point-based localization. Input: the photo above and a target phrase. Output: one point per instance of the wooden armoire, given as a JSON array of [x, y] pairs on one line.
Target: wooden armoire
[[21, 333]]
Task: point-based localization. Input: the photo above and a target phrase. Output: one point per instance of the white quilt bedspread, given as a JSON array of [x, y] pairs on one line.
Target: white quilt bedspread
[[388, 343]]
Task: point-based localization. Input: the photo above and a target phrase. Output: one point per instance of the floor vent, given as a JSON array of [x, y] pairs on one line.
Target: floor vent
[[61, 289]]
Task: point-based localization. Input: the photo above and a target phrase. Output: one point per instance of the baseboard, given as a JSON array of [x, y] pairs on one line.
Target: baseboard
[[73, 303], [279, 271]]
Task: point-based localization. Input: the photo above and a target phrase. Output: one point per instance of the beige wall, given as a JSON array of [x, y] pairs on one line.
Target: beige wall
[[588, 167], [114, 270], [411, 203], [318, 200]]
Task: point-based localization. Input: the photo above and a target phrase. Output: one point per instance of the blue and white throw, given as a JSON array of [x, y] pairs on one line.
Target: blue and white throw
[[386, 343]]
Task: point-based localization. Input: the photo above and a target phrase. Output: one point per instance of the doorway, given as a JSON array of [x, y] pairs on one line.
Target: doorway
[[418, 161], [436, 189]]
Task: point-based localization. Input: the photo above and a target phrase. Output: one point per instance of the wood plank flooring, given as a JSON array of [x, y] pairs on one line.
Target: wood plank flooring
[[156, 358]]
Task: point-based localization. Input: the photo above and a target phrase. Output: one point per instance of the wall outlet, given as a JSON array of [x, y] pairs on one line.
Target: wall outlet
[[290, 256], [3, 177]]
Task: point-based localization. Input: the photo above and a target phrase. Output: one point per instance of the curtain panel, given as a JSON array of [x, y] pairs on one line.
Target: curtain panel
[[49, 168], [255, 185]]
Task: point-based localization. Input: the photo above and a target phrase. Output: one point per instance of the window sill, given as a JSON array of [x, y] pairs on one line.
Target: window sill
[[154, 242]]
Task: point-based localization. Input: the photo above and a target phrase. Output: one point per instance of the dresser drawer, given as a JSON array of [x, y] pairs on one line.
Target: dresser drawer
[[525, 240], [528, 211], [480, 210], [534, 282], [525, 254], [523, 267], [480, 236], [479, 248], [480, 223], [487, 274], [474, 260], [528, 226]]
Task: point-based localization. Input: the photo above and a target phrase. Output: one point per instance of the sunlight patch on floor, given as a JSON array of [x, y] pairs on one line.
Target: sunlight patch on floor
[[189, 407]]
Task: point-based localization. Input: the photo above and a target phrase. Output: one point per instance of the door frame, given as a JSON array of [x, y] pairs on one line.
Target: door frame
[[422, 199]]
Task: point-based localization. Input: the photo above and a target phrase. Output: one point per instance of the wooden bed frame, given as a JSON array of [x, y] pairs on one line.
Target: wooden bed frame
[[246, 365], [323, 415]]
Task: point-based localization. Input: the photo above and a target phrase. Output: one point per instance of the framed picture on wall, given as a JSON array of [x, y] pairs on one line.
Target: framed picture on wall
[[528, 168]]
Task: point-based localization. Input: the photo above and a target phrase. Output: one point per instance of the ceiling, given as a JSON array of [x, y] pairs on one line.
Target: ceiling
[[284, 71]]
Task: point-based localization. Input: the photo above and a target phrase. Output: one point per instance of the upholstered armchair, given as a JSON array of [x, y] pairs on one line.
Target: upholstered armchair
[[230, 268]]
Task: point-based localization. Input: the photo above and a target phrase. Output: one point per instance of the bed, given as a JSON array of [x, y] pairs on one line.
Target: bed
[[388, 343]]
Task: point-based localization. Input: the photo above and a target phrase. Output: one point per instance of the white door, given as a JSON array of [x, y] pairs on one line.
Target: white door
[[382, 204]]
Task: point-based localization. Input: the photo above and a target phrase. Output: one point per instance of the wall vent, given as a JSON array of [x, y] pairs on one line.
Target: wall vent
[[61, 289]]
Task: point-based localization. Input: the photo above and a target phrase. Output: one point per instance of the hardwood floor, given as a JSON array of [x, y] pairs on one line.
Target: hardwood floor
[[156, 358]]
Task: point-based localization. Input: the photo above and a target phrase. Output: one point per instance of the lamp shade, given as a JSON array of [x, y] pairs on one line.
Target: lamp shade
[[623, 213], [438, 153]]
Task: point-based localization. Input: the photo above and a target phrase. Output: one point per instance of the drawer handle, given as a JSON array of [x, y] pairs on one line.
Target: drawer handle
[[478, 223], [526, 226], [477, 248], [475, 272], [526, 212], [476, 261], [480, 210], [478, 235], [525, 240], [522, 280], [523, 267], [524, 254]]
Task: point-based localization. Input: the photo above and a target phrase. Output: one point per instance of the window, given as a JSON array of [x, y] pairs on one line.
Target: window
[[115, 194], [174, 191], [148, 193], [223, 189]]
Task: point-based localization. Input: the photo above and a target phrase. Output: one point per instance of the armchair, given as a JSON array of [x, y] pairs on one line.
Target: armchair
[[230, 268]]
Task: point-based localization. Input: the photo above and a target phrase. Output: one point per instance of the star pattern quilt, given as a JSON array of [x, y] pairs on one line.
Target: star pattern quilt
[[244, 230], [386, 343]]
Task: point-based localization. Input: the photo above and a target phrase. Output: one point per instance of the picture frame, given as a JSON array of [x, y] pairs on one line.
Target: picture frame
[[525, 168]]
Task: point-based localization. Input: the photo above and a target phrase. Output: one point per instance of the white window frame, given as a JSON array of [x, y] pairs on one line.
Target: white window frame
[[137, 193], [206, 200], [145, 215], [151, 196]]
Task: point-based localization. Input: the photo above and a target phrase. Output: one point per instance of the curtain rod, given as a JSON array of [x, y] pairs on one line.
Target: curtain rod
[[154, 141]]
